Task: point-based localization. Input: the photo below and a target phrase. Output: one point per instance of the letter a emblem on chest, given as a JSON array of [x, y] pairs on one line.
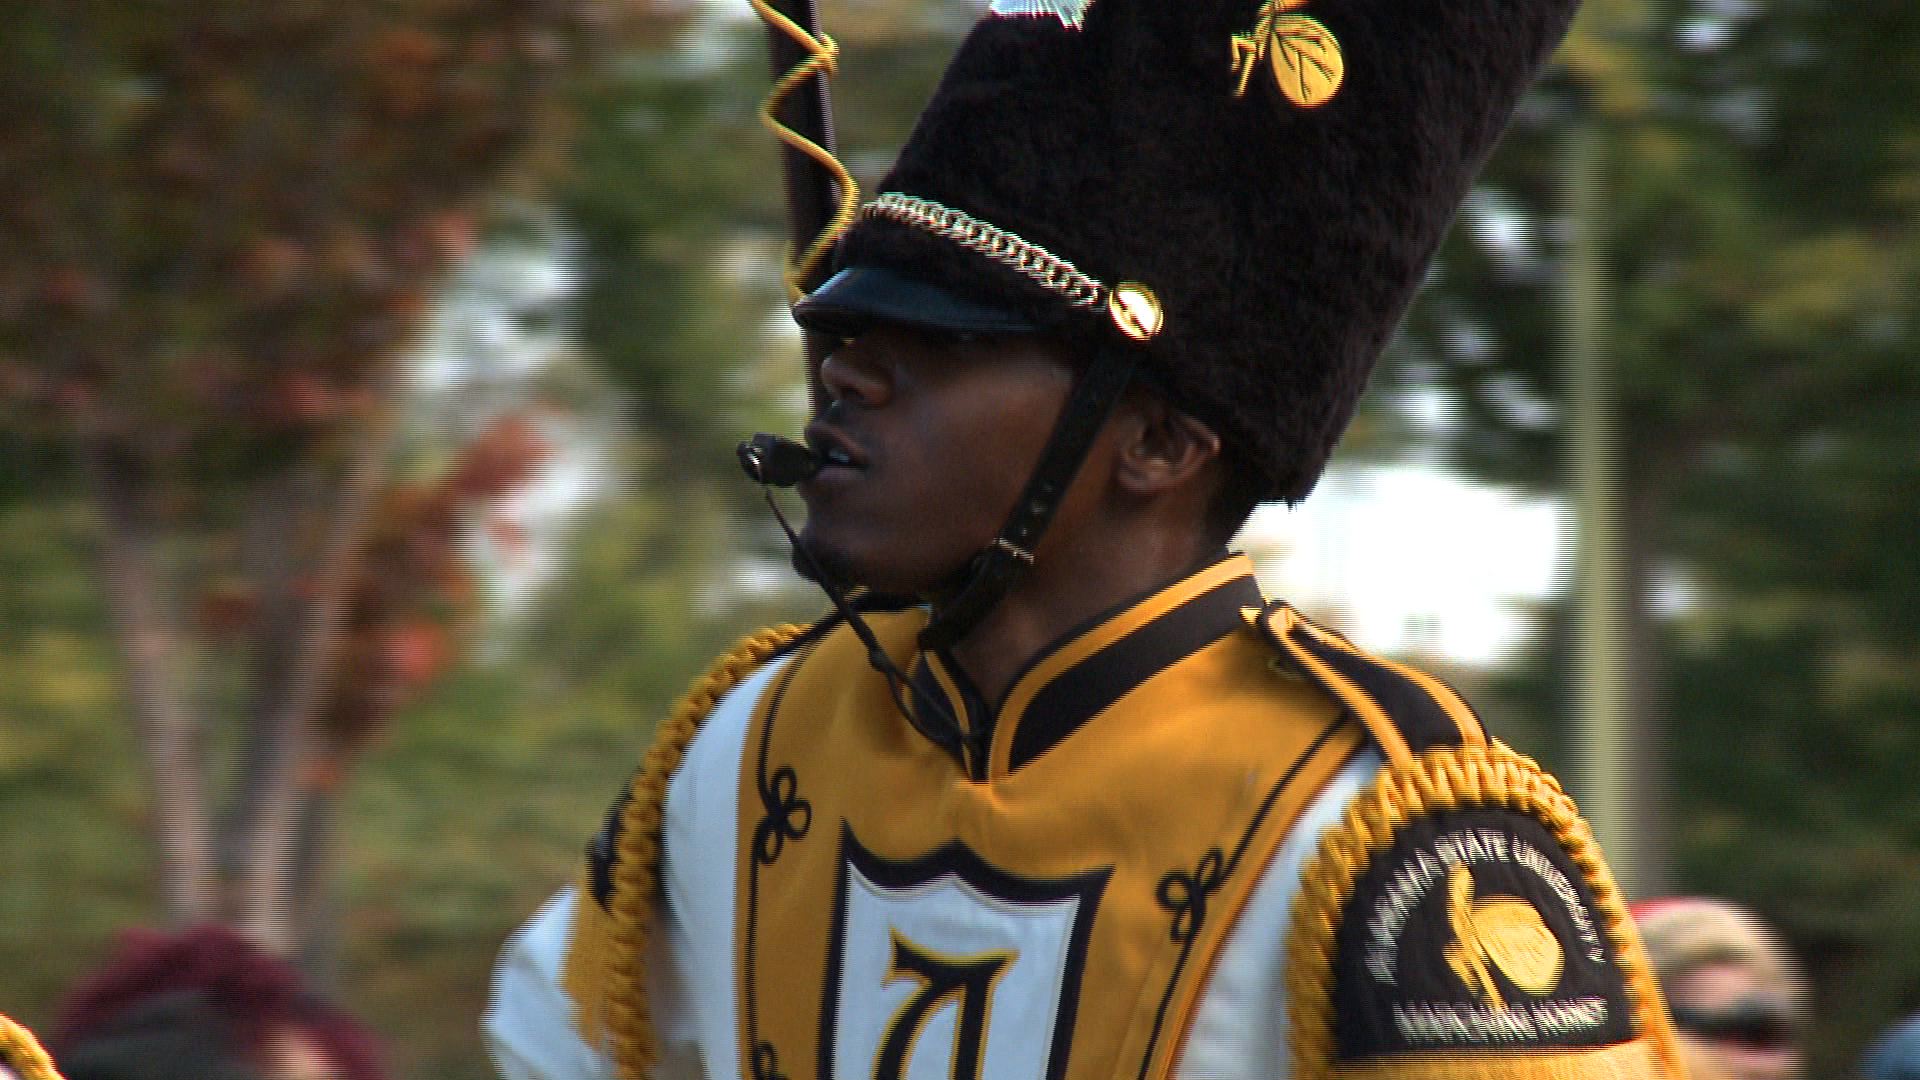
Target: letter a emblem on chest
[[945, 968]]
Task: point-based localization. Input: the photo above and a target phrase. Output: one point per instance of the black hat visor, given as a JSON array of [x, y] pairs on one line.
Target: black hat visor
[[859, 296]]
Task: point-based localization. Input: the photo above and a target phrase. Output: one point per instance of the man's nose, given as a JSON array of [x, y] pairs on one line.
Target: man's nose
[[857, 372]]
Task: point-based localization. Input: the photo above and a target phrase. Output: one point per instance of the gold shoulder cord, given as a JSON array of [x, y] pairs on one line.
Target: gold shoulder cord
[[619, 958], [1470, 776], [636, 873], [823, 58], [21, 1052]]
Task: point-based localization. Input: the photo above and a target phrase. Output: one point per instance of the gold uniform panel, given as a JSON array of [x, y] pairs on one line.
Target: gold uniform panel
[[1175, 797]]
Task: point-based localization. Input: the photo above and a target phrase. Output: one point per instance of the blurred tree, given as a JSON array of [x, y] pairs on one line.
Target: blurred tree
[[1762, 248], [477, 805], [481, 803], [675, 195], [222, 222]]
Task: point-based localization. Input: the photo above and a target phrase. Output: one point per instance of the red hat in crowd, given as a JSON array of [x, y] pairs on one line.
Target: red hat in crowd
[[207, 989]]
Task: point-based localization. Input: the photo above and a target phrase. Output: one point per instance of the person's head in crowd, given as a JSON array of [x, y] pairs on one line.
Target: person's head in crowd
[[1895, 1055], [205, 1004], [1738, 997]]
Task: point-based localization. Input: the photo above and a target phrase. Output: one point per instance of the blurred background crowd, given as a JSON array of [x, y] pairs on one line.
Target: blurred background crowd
[[369, 375]]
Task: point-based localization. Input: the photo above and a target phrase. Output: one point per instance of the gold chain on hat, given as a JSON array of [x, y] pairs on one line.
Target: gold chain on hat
[[1048, 270], [1134, 307]]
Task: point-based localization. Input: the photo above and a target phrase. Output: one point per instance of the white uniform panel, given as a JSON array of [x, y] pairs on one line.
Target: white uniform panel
[[529, 1022], [1240, 1025], [1026, 945]]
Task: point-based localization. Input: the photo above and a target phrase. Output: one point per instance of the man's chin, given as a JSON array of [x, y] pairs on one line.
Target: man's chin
[[843, 571], [824, 566]]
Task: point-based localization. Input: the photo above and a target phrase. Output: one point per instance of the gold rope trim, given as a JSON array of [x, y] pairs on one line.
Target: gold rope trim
[[22, 1053], [636, 871], [822, 59], [1048, 270], [1470, 776]]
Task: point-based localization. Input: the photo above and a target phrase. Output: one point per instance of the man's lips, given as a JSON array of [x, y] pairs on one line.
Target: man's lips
[[834, 448]]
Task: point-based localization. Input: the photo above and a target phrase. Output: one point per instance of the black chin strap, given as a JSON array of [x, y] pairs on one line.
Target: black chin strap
[[994, 570]]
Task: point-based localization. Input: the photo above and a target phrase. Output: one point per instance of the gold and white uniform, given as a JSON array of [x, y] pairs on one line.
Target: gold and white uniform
[[1200, 838]]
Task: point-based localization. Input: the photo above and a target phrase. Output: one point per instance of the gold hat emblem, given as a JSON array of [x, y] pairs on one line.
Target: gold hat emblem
[[1135, 310], [1504, 932], [1307, 62]]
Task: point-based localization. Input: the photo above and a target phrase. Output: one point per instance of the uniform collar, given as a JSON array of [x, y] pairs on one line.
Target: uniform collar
[[1095, 665]]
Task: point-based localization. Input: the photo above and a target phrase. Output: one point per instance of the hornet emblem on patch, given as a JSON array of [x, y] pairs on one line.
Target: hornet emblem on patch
[[1305, 56], [1502, 932]]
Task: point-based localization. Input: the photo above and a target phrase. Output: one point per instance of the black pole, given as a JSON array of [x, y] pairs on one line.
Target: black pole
[[811, 196]]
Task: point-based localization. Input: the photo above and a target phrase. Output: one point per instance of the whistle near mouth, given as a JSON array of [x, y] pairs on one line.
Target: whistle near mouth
[[777, 461]]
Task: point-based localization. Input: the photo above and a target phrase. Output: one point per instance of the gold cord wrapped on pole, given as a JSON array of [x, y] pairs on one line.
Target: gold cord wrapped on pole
[[820, 58]]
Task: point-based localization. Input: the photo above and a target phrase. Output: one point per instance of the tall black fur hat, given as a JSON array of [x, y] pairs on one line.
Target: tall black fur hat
[[1248, 192]]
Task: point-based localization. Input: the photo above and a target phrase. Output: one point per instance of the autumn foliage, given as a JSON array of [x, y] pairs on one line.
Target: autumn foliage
[[221, 223], [222, 217]]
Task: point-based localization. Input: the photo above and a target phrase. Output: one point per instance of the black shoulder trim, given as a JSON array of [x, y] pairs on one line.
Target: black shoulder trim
[[604, 849], [1395, 702]]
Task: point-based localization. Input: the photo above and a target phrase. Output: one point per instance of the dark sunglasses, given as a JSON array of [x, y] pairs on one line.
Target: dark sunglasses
[[1763, 1023]]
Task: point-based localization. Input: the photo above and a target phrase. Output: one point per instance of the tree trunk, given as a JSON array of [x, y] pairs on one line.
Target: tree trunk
[[287, 738], [1622, 744], [271, 563], [1643, 689], [316, 925], [148, 642], [1617, 750]]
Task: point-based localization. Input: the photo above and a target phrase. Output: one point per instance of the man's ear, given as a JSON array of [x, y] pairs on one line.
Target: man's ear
[[1161, 447]]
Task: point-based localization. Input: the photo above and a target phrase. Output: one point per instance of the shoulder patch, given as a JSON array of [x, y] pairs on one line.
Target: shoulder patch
[[1462, 911], [1474, 930]]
